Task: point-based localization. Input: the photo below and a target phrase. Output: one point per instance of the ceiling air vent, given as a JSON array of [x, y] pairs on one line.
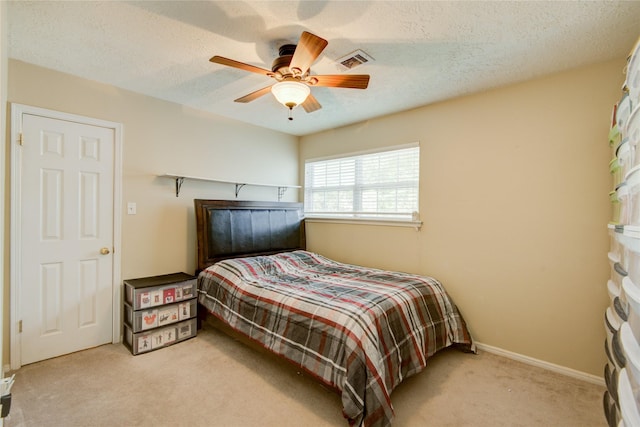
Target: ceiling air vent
[[353, 60]]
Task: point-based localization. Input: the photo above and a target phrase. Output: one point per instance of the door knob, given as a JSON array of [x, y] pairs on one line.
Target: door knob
[[104, 251]]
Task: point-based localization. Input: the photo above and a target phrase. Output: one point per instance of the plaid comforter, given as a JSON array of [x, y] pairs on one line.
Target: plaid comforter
[[359, 330]]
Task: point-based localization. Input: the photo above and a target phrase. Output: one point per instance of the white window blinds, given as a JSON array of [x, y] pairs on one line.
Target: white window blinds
[[380, 185]]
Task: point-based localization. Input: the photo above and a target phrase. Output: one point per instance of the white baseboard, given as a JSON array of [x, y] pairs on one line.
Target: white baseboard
[[542, 364]]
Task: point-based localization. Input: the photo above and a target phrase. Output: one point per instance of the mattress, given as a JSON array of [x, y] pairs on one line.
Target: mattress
[[359, 330]]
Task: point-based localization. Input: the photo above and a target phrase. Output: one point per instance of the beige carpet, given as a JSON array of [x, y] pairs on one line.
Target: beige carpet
[[217, 380]]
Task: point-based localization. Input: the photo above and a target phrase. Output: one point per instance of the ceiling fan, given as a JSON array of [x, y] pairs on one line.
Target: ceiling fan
[[292, 73]]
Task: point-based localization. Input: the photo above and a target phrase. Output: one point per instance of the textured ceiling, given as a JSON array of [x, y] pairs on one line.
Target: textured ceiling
[[423, 51]]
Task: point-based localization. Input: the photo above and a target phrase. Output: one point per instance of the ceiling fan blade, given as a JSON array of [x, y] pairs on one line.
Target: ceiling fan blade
[[309, 48], [241, 65], [351, 81], [311, 104], [254, 95]]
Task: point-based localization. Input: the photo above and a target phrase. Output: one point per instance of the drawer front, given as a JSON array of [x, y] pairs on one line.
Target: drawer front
[[627, 402], [610, 410], [145, 319], [153, 296], [154, 339], [633, 184], [611, 380]]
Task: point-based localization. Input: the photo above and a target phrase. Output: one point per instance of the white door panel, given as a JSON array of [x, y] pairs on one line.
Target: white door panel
[[66, 293]]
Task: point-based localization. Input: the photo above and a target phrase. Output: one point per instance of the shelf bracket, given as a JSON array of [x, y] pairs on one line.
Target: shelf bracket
[[179, 181], [281, 191], [238, 188]]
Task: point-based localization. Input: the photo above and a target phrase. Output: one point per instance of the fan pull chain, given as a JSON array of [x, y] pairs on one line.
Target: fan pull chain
[[290, 113]]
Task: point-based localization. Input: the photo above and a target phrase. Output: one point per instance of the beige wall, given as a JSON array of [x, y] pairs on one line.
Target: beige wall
[[163, 137], [513, 196]]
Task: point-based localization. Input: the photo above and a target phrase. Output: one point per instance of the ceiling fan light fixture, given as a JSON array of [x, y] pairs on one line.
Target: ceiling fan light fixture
[[290, 94]]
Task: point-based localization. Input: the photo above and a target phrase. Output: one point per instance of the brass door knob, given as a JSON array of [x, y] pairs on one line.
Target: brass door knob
[[105, 251]]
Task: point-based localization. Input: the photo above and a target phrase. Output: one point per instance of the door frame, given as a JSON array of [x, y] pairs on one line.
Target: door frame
[[17, 110]]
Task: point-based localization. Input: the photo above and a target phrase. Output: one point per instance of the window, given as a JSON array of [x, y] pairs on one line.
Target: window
[[378, 185]]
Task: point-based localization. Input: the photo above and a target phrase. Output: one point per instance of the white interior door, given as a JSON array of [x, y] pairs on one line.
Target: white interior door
[[67, 237]]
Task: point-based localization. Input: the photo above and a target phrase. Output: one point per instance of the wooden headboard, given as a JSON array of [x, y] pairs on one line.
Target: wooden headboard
[[231, 229]]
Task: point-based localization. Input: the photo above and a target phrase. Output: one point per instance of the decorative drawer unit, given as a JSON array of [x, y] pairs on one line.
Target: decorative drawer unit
[[622, 318], [159, 311]]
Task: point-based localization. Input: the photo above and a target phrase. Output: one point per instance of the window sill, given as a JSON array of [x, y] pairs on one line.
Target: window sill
[[366, 221]]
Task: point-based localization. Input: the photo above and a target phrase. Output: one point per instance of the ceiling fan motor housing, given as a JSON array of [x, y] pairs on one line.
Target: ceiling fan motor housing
[[281, 63]]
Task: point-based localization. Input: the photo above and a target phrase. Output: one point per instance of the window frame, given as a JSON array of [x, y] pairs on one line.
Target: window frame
[[356, 217]]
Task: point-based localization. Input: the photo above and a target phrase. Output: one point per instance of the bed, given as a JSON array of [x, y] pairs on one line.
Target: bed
[[359, 330]]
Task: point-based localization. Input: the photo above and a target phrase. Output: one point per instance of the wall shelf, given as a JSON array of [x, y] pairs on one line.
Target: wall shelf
[[180, 179]]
